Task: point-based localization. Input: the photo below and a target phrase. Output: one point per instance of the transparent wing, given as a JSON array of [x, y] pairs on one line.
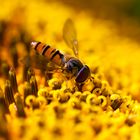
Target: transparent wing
[[39, 62], [70, 36]]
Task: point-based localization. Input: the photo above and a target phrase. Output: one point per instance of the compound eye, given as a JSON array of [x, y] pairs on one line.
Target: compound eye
[[83, 74]]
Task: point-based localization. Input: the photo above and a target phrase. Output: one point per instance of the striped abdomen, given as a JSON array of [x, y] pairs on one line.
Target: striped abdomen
[[50, 53]]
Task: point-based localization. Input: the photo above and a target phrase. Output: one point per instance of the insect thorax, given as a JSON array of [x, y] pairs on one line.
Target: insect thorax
[[73, 66]]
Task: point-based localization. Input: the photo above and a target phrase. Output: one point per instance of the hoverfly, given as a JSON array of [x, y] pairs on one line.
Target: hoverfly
[[71, 65]]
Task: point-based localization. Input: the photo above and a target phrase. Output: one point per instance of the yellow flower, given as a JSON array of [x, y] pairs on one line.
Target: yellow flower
[[39, 100]]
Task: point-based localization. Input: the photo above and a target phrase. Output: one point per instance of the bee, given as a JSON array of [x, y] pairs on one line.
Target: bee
[[71, 65]]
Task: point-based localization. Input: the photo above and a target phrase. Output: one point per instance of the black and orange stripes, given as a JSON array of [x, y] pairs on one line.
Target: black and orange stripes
[[50, 53]]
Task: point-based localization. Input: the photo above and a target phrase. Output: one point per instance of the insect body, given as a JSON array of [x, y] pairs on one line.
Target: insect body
[[50, 53], [71, 65]]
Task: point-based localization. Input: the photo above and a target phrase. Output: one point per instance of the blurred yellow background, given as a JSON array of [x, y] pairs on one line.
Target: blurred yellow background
[[108, 29]]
